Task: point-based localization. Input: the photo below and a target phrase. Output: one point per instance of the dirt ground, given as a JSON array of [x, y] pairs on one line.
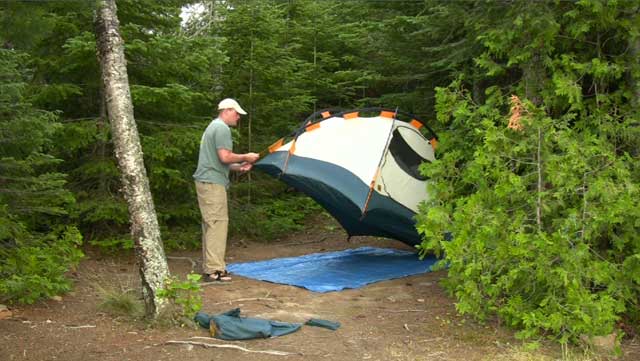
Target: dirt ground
[[403, 319]]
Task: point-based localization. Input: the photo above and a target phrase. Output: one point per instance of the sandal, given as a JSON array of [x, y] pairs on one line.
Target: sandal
[[224, 276], [217, 276]]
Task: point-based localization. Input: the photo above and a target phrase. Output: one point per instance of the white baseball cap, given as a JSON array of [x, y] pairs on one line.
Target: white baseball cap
[[231, 104]]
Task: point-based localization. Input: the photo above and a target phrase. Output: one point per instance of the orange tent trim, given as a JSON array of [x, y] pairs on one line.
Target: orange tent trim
[[312, 127], [351, 115], [387, 114], [416, 124], [273, 147]]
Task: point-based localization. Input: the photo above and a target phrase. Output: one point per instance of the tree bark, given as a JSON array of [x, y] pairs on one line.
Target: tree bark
[[145, 232], [634, 46]]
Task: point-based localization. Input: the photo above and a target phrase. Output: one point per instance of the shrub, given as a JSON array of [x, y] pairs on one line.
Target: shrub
[[35, 268], [544, 223], [184, 300]]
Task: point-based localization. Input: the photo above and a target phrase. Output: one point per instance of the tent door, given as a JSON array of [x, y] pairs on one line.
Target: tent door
[[399, 177]]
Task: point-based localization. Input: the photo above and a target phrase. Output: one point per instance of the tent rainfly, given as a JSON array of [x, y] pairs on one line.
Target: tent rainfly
[[362, 170]]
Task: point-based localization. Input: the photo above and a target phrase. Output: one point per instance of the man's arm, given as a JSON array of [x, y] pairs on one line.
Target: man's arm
[[228, 157]]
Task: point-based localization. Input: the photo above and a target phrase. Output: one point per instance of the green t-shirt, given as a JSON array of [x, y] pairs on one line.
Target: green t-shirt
[[210, 168]]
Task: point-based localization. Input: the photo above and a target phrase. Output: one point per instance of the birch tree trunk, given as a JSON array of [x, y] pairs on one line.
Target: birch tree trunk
[[149, 251]]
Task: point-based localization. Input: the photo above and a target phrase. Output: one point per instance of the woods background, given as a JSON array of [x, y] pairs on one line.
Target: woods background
[[544, 215]]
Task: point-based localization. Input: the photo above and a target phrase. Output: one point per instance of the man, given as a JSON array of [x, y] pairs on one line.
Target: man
[[212, 180]]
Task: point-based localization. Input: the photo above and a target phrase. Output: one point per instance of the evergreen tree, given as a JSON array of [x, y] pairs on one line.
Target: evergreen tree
[[171, 83], [37, 245]]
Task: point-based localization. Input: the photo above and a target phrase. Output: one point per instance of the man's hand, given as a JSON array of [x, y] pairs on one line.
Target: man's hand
[[245, 167], [228, 157], [241, 167], [252, 157]]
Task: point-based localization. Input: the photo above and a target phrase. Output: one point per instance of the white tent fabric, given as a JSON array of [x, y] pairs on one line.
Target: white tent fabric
[[363, 170], [358, 144], [393, 181], [353, 144]]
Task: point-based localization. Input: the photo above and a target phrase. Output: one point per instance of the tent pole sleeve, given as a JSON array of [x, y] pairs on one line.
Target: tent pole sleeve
[[371, 186], [286, 161]]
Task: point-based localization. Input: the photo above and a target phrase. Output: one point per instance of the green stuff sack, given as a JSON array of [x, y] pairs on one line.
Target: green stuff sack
[[231, 326]]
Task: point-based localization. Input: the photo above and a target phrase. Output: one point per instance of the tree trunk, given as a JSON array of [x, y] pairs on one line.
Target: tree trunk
[[149, 251], [634, 46], [533, 74], [101, 143]]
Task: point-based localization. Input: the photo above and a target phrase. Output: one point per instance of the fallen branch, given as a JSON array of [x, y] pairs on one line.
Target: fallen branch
[[247, 299], [208, 345], [303, 243], [83, 326], [430, 339], [431, 308], [242, 243], [193, 263], [215, 283]]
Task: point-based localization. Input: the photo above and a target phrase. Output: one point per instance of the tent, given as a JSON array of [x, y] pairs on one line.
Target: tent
[[362, 169]]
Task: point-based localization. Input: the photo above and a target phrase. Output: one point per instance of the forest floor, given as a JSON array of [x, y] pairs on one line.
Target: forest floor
[[410, 318]]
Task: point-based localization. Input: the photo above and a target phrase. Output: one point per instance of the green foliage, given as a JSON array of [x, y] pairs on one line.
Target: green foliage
[[544, 219], [113, 244], [37, 248], [268, 219], [117, 303], [188, 236], [36, 268], [184, 298]]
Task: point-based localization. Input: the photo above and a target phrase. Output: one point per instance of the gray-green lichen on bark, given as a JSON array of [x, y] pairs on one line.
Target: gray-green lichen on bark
[[145, 231]]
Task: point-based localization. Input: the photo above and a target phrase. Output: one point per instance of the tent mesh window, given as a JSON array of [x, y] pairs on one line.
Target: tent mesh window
[[408, 160]]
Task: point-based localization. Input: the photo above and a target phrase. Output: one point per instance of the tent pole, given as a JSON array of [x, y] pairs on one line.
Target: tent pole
[[373, 181], [291, 150]]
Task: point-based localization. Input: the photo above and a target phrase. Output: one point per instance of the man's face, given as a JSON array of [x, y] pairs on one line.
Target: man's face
[[232, 118], [235, 117]]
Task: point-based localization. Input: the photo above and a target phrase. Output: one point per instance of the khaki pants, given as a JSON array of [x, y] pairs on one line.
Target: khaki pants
[[212, 199]]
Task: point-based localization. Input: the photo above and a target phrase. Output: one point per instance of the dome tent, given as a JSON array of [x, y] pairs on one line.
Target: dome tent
[[362, 170]]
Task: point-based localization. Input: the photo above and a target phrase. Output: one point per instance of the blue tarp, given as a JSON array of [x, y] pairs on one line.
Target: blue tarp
[[334, 271]]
